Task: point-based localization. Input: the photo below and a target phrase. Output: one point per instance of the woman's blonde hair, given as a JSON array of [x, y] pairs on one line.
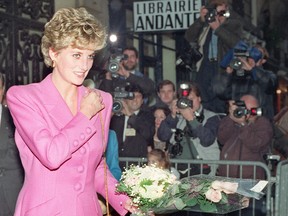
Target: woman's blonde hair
[[72, 27]]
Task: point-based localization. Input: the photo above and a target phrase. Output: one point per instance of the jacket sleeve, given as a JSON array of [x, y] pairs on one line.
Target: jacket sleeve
[[266, 79], [207, 133], [164, 132], [144, 82], [193, 32], [230, 32], [258, 135], [105, 183], [222, 85], [227, 129]]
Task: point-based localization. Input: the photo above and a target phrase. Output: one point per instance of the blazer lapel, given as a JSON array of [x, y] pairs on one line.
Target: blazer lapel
[[54, 103]]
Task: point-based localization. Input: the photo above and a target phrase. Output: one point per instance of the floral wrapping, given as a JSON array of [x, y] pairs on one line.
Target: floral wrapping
[[157, 190]]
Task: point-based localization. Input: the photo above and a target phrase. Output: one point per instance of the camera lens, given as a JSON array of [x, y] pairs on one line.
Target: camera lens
[[236, 64], [239, 112], [117, 106], [113, 67]]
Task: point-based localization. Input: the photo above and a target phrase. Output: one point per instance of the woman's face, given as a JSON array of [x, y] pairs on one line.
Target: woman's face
[[72, 64], [159, 117]]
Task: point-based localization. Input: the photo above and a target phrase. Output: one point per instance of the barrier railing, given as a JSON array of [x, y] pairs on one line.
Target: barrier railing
[[281, 198], [265, 206]]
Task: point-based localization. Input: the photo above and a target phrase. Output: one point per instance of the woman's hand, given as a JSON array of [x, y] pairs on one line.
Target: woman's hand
[[91, 103], [129, 206]]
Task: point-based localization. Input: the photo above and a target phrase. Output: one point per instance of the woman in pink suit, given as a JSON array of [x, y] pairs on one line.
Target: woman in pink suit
[[62, 126]]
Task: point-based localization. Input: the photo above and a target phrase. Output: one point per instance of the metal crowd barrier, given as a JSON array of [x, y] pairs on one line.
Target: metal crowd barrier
[[267, 203], [281, 198]]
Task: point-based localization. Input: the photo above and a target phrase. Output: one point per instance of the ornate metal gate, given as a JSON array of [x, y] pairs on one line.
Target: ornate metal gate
[[21, 27]]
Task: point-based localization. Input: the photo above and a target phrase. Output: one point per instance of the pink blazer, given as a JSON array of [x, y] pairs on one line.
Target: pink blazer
[[61, 153]]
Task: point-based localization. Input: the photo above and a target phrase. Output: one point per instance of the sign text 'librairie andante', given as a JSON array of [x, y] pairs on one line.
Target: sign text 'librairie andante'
[[165, 15]]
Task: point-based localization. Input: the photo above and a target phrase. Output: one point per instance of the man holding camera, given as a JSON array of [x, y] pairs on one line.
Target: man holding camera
[[126, 73], [213, 34], [245, 75], [134, 127], [244, 135], [191, 130]]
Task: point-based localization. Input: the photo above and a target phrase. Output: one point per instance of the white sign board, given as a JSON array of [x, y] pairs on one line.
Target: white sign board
[[165, 15]]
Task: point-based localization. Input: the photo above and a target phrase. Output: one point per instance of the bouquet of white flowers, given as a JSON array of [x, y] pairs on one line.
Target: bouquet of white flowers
[[157, 190], [146, 185]]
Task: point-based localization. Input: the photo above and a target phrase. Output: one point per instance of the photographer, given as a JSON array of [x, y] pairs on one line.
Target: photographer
[[245, 137], [213, 33], [245, 75], [126, 73], [191, 129], [134, 127]]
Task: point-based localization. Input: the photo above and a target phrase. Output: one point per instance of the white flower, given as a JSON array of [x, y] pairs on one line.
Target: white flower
[[146, 184]]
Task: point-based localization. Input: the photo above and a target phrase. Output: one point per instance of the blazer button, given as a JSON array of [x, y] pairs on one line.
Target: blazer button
[[80, 169], [76, 143], [82, 150], [88, 130], [82, 136], [77, 186]]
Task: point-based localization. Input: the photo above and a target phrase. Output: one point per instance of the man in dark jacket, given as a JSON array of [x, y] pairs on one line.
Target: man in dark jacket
[[214, 37], [134, 126], [127, 74], [250, 78], [244, 137]]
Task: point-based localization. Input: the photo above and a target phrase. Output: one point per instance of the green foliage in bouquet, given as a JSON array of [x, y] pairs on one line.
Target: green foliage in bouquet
[[157, 190], [191, 194], [146, 185]]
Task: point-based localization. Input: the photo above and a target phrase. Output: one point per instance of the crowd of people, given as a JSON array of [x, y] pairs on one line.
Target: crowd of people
[[70, 136]]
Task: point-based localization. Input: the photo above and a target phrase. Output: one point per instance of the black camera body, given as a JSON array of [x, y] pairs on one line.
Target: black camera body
[[241, 110], [190, 56], [176, 149], [118, 95], [211, 14], [183, 102], [236, 63], [114, 62]]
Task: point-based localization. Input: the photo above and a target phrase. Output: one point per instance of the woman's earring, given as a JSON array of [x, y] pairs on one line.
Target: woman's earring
[[53, 63]]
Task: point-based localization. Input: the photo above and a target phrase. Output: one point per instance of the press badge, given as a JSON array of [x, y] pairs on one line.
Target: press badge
[[130, 132]]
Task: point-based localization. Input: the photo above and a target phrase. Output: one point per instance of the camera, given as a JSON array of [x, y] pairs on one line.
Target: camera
[[212, 13], [236, 63], [190, 56], [241, 110], [118, 95], [183, 101], [241, 50], [114, 62], [176, 149]]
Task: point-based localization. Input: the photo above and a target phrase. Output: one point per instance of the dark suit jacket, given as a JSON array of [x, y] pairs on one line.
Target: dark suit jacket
[[134, 146], [11, 171]]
